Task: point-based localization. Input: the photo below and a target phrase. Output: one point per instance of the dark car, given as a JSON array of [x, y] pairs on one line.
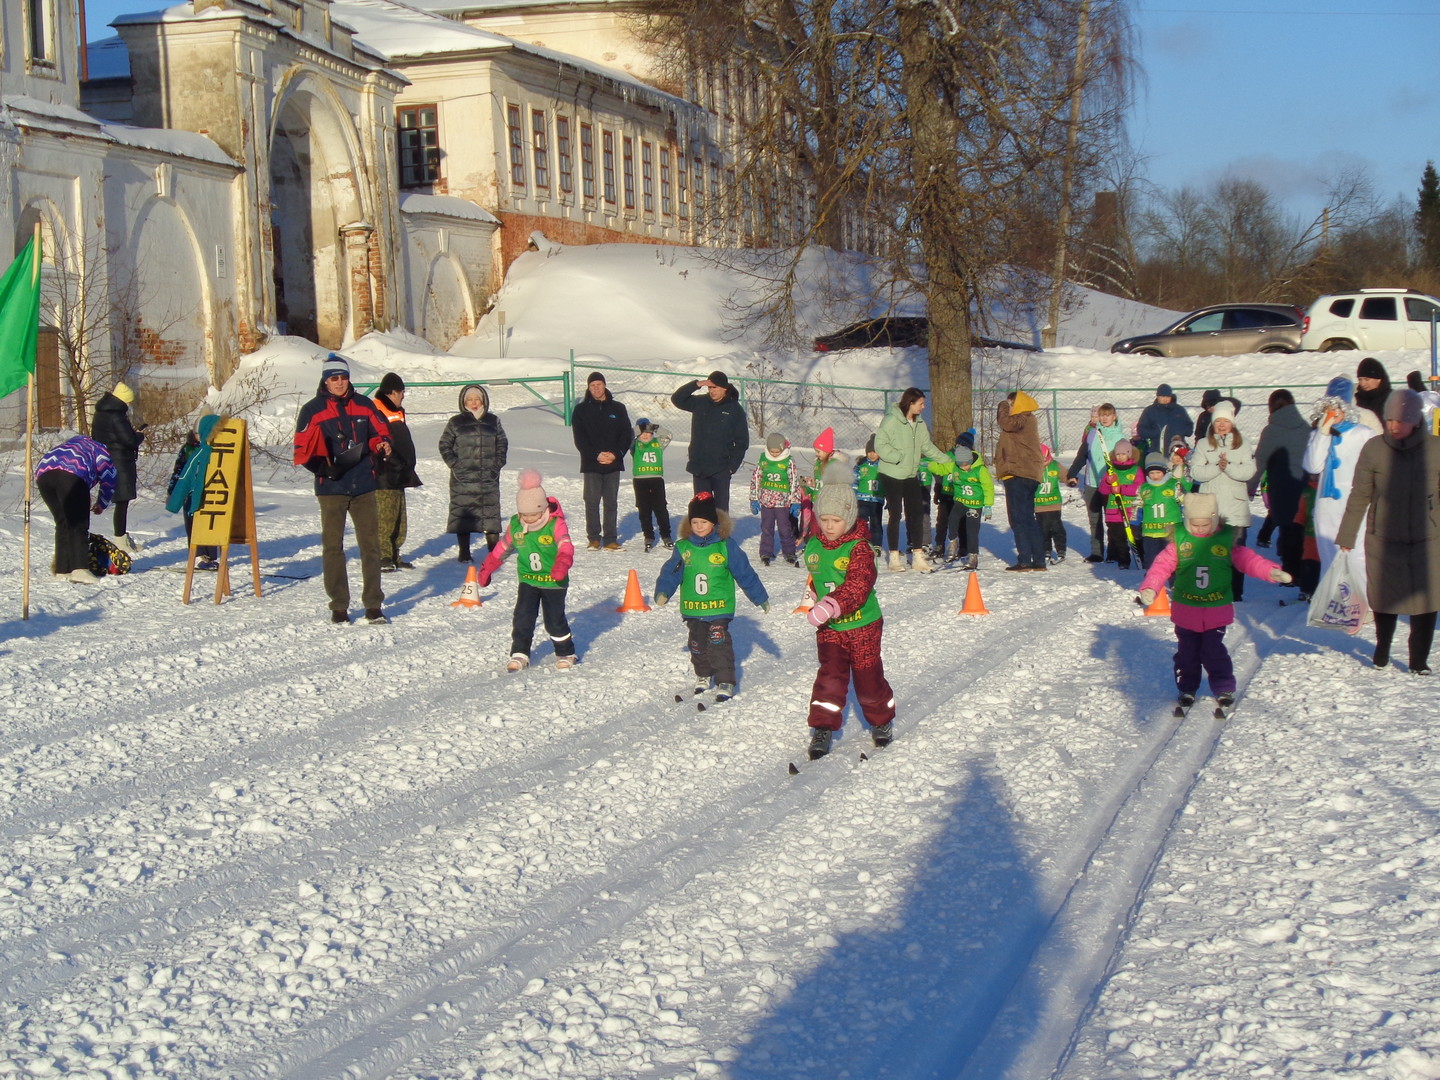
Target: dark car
[[1223, 330], [899, 332]]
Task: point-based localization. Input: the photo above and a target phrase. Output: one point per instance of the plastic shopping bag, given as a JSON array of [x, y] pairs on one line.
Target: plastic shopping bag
[[1339, 602]]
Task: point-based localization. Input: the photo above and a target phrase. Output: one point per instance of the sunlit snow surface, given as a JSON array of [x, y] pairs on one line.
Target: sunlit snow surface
[[242, 842]]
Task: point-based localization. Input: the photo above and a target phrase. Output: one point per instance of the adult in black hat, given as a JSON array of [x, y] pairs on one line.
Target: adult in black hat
[[1372, 389], [1163, 419], [719, 434], [339, 435], [601, 428], [394, 474]]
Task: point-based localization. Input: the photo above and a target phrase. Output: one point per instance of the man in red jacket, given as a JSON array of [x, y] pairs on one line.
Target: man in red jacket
[[337, 436]]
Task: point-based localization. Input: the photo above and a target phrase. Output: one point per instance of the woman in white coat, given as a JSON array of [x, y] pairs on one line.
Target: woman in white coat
[[1223, 463], [1334, 449]]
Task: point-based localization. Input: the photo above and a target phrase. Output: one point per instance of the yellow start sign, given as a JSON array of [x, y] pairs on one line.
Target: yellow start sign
[[221, 516], [226, 514]]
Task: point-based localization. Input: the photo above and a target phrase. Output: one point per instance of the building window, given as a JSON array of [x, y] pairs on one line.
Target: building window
[[566, 156], [699, 187], [647, 176], [540, 139], [607, 146], [627, 155], [419, 144], [517, 146], [587, 162], [667, 198], [42, 24], [682, 183]]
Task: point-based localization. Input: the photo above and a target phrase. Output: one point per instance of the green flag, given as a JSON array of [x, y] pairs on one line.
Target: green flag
[[19, 318]]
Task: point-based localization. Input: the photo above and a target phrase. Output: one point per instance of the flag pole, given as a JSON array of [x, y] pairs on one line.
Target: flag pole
[[29, 449]]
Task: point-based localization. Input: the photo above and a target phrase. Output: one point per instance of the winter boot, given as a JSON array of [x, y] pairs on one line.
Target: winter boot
[[375, 617], [820, 742], [882, 734], [518, 662], [724, 691], [1225, 700], [701, 685], [952, 550], [972, 563], [919, 563], [1186, 700], [564, 663], [897, 563]]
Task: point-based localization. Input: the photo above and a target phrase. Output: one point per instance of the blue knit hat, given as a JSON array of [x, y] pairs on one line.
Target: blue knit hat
[[1342, 388]]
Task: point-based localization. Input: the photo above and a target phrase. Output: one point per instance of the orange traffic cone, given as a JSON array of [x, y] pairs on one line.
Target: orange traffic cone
[[1160, 605], [974, 605], [634, 598], [470, 591], [808, 600]]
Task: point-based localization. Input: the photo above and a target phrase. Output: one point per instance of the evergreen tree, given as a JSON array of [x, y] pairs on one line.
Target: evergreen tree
[[1427, 218]]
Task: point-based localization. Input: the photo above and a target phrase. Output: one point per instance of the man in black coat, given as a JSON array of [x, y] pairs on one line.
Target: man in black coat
[[1162, 420], [719, 434], [601, 429]]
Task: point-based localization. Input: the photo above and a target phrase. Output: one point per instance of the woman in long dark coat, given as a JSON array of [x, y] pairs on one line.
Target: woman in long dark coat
[[1397, 480], [111, 428], [474, 446]]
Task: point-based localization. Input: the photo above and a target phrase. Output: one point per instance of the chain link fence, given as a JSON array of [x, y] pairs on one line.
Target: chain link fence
[[801, 410]]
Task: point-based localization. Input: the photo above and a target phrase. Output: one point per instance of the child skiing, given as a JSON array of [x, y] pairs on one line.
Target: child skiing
[[1048, 497], [1203, 558], [1119, 484], [847, 621], [543, 556], [774, 489], [706, 567], [972, 490], [1159, 507], [867, 493], [647, 462]]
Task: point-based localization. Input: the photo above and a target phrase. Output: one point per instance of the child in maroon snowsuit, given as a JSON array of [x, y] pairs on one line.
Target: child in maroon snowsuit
[[846, 617]]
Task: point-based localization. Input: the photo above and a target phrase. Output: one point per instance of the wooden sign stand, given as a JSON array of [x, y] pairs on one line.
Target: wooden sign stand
[[226, 514]]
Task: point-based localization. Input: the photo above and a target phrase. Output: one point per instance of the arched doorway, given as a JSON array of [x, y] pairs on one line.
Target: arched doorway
[[313, 194]]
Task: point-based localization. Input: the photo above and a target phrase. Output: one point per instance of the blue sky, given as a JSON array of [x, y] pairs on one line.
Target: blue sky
[[1284, 91], [1287, 90]]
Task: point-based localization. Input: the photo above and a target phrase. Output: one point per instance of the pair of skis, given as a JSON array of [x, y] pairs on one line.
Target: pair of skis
[[1222, 710]]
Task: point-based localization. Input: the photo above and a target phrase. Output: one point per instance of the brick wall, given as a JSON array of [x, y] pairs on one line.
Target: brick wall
[[515, 230]]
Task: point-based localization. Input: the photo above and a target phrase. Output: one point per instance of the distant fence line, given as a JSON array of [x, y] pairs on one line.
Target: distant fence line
[[801, 410]]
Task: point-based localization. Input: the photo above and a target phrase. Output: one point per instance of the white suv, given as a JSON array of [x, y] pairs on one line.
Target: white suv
[[1370, 319]]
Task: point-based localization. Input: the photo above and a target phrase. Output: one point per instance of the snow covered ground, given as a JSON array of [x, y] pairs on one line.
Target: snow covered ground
[[242, 842]]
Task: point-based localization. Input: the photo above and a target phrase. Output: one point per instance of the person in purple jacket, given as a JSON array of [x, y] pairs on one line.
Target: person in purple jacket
[[64, 477]]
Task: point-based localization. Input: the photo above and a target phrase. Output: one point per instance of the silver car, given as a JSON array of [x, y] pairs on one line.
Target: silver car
[[1223, 330]]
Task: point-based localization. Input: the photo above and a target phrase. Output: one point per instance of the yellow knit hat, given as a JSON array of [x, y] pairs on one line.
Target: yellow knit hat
[[124, 393], [1023, 403]]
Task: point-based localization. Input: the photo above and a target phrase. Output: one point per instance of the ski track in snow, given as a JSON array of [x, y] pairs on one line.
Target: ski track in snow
[[368, 853]]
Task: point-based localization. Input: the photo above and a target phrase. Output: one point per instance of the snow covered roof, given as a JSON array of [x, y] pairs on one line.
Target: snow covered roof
[[403, 31], [446, 205], [65, 120], [459, 7]]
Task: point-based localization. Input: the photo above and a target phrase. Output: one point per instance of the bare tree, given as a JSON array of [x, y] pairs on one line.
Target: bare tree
[[930, 128]]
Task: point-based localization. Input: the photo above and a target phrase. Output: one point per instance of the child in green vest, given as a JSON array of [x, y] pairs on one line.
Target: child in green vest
[[1203, 558], [972, 490], [647, 463], [1048, 497], [538, 535], [706, 567], [847, 620], [1159, 507], [868, 494], [774, 489]]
